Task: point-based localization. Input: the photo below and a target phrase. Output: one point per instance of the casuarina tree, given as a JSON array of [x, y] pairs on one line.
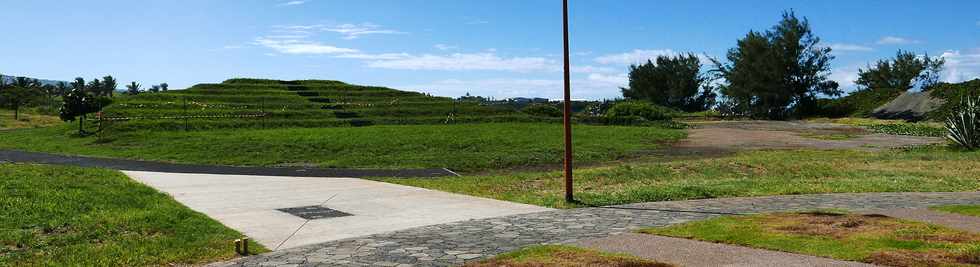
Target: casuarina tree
[[777, 73], [675, 82], [906, 71]]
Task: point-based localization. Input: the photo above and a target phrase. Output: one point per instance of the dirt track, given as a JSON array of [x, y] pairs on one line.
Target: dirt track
[[721, 137]]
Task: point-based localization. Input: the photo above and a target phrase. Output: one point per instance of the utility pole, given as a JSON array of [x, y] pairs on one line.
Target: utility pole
[[569, 196]]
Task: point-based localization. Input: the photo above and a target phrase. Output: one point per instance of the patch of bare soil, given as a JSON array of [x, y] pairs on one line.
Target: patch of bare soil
[[844, 226], [723, 137], [838, 226]]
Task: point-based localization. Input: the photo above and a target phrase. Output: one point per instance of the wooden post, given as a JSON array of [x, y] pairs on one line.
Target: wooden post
[[569, 195]]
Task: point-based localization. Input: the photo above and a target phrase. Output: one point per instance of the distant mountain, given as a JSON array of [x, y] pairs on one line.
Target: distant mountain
[[9, 79]]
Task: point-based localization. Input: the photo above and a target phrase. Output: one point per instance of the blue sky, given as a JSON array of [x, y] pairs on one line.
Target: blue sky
[[500, 48]]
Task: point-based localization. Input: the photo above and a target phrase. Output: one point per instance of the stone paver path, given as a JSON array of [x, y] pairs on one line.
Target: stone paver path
[[455, 243], [684, 252]]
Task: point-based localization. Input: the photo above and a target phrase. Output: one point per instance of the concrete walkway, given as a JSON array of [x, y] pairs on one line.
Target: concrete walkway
[[684, 252], [251, 205], [456, 243]]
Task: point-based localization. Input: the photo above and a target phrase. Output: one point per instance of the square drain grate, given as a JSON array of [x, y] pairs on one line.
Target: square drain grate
[[315, 212]]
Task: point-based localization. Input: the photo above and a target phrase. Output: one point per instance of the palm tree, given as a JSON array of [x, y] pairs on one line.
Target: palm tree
[[109, 85], [79, 84], [62, 88], [95, 86], [133, 88]]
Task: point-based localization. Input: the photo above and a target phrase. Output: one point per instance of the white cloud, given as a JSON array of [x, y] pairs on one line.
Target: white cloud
[[354, 31], [619, 80], [599, 88], [850, 47], [294, 3], [463, 62], [348, 31], [385, 56], [637, 56], [301, 47], [845, 77], [477, 22], [445, 47], [961, 66], [594, 69], [894, 40]]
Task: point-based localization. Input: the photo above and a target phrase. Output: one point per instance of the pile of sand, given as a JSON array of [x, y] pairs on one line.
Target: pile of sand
[[910, 106]]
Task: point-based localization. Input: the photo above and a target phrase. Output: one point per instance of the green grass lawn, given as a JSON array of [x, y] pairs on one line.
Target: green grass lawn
[[26, 120], [462, 147], [758, 173], [546, 256], [865, 238], [68, 216], [969, 210]]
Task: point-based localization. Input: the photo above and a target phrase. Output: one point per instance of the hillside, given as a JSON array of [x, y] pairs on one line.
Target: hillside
[[10, 79], [254, 103]]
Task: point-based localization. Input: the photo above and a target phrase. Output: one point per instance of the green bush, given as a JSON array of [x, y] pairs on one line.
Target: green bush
[[633, 110], [543, 110], [953, 96]]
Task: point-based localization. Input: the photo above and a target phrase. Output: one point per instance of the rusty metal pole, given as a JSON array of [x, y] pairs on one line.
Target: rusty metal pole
[[569, 196]]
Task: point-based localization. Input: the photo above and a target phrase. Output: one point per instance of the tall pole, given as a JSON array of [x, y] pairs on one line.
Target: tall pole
[[569, 196]]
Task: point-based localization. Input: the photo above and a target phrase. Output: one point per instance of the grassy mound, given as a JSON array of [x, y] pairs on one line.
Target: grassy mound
[[254, 103]]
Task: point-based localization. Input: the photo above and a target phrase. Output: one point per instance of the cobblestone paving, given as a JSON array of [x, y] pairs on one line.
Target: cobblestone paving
[[456, 243]]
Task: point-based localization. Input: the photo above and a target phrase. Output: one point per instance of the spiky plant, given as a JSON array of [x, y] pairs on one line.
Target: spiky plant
[[963, 124]]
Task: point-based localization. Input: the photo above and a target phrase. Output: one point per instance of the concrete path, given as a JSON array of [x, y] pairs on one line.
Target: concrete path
[[455, 243], [684, 252], [251, 204], [151, 166], [951, 220]]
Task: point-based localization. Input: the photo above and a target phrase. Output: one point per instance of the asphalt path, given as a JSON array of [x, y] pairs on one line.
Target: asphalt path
[[150, 166]]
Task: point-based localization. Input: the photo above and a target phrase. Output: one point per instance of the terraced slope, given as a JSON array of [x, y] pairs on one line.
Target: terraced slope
[[252, 103]]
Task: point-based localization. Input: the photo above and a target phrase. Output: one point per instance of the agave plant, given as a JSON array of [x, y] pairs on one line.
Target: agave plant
[[963, 124]]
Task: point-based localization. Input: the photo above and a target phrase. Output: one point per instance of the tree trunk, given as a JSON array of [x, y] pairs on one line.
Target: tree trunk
[[81, 131], [17, 113]]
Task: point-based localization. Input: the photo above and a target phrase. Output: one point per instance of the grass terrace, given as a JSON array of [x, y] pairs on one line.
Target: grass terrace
[[253, 103]]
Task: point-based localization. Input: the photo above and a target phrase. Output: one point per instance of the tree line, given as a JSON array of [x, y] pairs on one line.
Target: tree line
[[78, 98], [779, 73]]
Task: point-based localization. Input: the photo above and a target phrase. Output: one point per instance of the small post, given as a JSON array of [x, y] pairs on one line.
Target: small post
[[245, 246], [238, 246]]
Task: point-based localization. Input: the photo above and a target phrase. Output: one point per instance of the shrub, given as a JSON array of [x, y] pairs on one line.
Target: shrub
[[952, 96], [633, 111], [543, 110], [964, 124]]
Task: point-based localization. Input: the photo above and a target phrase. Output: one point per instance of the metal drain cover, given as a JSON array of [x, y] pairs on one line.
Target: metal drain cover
[[315, 212]]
